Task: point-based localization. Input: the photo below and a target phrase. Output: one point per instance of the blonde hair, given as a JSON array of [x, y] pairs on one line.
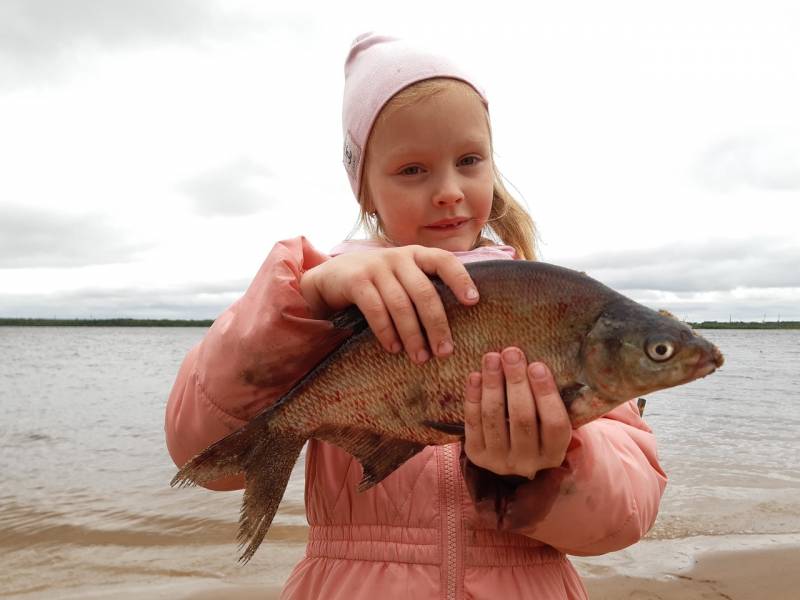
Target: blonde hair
[[509, 223]]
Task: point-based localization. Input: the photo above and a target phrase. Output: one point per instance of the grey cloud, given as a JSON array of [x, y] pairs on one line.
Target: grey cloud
[[206, 300], [237, 189], [712, 265], [736, 310], [41, 28], [34, 238], [39, 37], [768, 162], [199, 300]]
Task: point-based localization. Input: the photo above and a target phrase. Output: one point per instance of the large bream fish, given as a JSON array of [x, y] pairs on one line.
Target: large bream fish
[[602, 348]]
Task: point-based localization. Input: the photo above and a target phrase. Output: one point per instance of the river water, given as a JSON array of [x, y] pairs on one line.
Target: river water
[[85, 502]]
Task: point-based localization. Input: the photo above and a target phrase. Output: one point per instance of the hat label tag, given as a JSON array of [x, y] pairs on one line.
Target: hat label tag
[[351, 156]]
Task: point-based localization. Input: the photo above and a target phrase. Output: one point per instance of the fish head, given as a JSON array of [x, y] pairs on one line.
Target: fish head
[[632, 350]]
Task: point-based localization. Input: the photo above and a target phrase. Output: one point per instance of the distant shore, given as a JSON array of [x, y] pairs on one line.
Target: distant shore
[[16, 322], [19, 322]]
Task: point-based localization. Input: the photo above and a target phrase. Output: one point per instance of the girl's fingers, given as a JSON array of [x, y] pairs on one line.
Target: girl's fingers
[[474, 444], [523, 429], [450, 270], [371, 304], [555, 429], [429, 310], [493, 406], [404, 316]]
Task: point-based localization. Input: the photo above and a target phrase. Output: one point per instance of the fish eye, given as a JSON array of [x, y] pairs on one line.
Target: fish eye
[[660, 350]]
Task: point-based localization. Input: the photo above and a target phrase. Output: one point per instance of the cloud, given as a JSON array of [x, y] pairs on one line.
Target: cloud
[[206, 300], [744, 304], [694, 267], [196, 300], [237, 189], [39, 28], [37, 37], [31, 238], [765, 162]]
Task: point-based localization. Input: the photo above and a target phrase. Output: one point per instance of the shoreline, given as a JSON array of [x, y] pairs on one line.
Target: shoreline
[[727, 567]]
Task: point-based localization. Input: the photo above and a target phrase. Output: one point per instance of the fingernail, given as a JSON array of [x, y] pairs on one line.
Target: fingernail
[[422, 356], [538, 371], [472, 294], [445, 347], [493, 362], [475, 379], [396, 347], [512, 356]]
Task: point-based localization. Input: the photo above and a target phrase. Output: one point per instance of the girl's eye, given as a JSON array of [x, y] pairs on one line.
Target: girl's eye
[[469, 161], [411, 170]]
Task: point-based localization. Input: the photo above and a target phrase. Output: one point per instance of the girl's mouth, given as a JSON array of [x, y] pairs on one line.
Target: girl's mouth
[[447, 224]]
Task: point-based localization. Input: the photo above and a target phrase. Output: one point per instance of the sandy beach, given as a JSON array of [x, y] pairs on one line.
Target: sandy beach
[[762, 575], [756, 567], [744, 575]]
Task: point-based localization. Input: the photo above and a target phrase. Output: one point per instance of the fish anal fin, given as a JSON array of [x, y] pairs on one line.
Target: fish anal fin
[[379, 455], [449, 428]]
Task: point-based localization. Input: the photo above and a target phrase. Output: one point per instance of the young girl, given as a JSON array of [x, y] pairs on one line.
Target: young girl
[[491, 519]]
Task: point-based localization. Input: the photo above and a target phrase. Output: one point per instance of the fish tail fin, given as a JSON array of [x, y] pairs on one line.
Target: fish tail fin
[[265, 457], [265, 484]]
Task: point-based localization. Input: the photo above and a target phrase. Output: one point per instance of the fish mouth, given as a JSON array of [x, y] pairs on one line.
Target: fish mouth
[[707, 364]]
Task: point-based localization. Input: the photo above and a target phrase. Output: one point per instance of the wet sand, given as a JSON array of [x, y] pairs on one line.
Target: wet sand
[[762, 574], [742, 575], [765, 574]]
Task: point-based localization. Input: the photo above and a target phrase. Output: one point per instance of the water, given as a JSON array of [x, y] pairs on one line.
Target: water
[[85, 502]]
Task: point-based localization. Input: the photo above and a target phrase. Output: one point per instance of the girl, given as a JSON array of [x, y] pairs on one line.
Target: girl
[[495, 518]]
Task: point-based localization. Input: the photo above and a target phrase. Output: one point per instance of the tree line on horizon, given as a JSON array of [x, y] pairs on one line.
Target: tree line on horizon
[[124, 322]]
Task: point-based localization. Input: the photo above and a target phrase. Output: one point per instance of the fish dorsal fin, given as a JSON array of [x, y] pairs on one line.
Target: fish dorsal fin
[[379, 456]]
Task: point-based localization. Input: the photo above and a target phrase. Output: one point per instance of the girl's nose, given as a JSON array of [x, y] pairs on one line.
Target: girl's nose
[[448, 191]]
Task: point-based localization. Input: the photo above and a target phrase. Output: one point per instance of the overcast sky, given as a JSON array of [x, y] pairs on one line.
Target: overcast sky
[[152, 151]]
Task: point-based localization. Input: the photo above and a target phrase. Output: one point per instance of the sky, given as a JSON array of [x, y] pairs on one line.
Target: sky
[[152, 152]]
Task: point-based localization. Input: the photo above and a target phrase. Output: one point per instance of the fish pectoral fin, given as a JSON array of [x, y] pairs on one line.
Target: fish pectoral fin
[[449, 428], [378, 455], [351, 318], [572, 392], [584, 404]]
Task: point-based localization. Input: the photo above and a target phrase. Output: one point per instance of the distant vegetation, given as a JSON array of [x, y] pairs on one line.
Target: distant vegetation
[[746, 325], [208, 322], [106, 322]]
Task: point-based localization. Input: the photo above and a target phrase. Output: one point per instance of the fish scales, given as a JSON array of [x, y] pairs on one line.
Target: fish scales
[[602, 348]]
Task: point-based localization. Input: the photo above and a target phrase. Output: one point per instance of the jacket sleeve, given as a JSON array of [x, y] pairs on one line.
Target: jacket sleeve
[[252, 355], [604, 497]]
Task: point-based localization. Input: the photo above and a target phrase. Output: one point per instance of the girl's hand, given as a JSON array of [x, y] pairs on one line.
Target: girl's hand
[[537, 431], [391, 288]]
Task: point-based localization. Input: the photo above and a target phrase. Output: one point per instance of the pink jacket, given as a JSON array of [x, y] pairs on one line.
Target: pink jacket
[[419, 533]]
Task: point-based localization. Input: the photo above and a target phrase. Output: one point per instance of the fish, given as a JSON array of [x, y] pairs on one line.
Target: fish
[[602, 348]]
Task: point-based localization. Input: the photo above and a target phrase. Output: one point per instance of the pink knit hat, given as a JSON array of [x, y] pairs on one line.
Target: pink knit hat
[[376, 68]]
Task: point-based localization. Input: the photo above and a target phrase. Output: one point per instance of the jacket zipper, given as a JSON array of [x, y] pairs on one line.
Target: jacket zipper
[[451, 520]]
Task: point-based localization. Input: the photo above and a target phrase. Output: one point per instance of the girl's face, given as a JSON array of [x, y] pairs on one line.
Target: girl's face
[[429, 174]]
